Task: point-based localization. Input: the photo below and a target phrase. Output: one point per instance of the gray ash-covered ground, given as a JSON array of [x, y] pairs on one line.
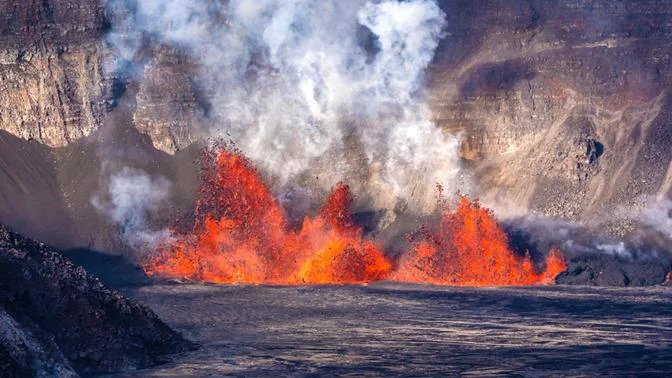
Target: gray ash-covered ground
[[58, 320], [390, 329]]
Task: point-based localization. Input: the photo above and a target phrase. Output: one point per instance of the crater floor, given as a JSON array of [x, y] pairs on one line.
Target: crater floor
[[396, 329]]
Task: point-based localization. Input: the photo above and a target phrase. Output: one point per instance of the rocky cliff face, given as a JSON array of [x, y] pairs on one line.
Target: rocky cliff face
[[564, 106], [168, 108], [57, 83], [51, 75]]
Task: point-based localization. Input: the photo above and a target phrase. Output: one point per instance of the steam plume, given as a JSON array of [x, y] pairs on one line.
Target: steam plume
[[291, 80], [131, 196], [657, 215]]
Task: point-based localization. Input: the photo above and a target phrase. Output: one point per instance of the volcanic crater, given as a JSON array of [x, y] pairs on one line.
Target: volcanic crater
[[359, 187]]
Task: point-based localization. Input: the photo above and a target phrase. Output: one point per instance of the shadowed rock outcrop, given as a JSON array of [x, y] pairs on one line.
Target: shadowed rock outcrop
[[66, 319], [609, 270]]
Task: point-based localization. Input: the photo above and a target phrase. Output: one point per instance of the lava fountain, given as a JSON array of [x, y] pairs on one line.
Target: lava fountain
[[241, 235], [469, 248]]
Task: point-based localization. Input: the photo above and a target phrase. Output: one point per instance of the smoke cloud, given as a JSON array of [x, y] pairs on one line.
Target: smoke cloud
[[658, 216], [573, 239], [289, 81], [132, 195], [652, 239]]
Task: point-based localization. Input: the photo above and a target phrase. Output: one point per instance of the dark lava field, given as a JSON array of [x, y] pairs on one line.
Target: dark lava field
[[391, 329]]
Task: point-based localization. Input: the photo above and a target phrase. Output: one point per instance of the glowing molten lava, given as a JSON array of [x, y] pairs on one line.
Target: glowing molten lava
[[241, 235], [470, 249]]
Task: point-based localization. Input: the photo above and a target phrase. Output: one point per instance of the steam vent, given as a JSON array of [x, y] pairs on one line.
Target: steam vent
[[294, 188]]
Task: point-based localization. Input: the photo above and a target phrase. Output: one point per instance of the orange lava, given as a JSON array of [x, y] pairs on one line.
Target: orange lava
[[241, 235], [469, 248]]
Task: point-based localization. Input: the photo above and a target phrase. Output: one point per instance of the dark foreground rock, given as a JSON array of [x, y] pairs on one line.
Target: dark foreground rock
[[56, 319], [26, 351], [593, 259]]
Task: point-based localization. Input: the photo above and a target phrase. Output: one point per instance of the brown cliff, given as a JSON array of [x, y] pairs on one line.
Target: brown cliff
[[563, 106]]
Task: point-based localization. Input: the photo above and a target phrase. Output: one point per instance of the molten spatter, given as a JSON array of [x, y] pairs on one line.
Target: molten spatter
[[342, 255], [240, 235], [470, 249]]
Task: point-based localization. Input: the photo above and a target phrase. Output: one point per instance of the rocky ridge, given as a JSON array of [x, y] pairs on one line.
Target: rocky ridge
[[56, 319]]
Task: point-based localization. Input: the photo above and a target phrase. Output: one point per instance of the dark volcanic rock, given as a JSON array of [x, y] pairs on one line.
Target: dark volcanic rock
[[10, 365], [48, 298], [600, 269], [26, 351], [595, 259]]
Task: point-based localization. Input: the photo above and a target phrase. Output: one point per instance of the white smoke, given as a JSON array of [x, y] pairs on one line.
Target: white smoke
[[658, 216], [290, 79], [132, 195], [616, 249], [573, 239]]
